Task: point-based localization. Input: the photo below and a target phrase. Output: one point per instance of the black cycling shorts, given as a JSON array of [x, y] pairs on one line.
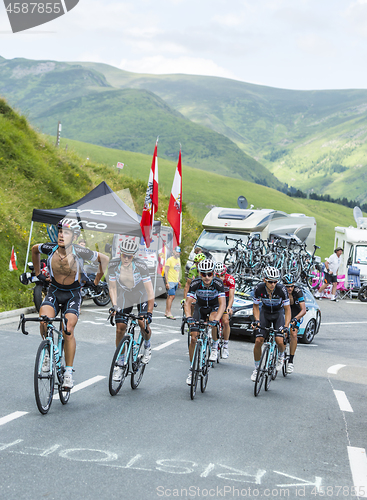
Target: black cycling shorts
[[330, 278], [67, 298], [202, 313], [276, 320], [121, 315]]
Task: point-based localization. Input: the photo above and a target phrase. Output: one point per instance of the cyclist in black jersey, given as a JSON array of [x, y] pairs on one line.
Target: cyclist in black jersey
[[129, 285], [209, 294], [65, 266], [275, 311], [298, 310]]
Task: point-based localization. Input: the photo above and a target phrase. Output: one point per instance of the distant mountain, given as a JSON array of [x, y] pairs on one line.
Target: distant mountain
[[92, 110], [314, 140]]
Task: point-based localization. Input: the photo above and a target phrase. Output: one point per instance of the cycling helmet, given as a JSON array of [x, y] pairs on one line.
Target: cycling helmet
[[129, 247], [206, 266], [271, 273], [199, 257], [220, 268], [288, 279], [69, 224]]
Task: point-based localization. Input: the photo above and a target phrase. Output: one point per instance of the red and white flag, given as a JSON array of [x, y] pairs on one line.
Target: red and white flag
[[120, 165], [174, 214], [151, 200], [13, 261]]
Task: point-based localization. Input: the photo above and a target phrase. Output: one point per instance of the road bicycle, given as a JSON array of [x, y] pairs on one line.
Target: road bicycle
[[185, 330], [220, 341], [286, 353], [128, 355], [268, 362], [49, 367], [200, 364]]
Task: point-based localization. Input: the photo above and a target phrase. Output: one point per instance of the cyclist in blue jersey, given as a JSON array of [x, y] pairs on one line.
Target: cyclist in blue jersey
[[208, 291], [130, 284], [275, 311], [65, 265], [298, 310]]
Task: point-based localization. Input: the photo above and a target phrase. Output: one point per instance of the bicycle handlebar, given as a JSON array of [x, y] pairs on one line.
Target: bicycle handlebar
[[111, 318]]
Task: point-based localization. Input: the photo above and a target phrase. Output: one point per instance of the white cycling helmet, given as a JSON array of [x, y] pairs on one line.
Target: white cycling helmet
[[220, 268], [129, 247], [206, 266], [271, 273]]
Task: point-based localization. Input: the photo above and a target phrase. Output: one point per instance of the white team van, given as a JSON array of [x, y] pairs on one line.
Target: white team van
[[239, 223], [354, 243]]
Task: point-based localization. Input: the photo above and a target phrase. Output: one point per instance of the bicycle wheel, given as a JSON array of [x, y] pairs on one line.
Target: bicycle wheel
[[261, 371], [64, 395], [205, 368], [43, 380], [122, 350], [138, 366], [185, 330], [195, 366], [272, 371], [286, 360]]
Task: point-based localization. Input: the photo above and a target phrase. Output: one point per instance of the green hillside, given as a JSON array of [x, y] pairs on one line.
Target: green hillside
[[35, 174], [91, 110], [306, 138], [203, 190]]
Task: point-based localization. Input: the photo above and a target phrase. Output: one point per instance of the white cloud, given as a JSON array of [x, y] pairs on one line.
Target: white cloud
[[316, 45]]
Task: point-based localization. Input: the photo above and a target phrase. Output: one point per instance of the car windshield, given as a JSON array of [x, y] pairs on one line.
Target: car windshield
[[217, 241], [361, 254]]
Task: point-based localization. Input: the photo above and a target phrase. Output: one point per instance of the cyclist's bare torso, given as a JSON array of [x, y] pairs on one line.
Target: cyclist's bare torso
[[64, 267]]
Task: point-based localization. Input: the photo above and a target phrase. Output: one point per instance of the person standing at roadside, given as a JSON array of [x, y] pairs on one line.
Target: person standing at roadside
[[172, 274], [331, 273]]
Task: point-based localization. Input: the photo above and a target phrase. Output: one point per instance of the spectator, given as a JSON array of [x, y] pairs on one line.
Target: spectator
[[172, 274], [331, 273]]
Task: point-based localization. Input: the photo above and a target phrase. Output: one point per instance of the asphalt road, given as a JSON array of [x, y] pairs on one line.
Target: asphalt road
[[304, 438]]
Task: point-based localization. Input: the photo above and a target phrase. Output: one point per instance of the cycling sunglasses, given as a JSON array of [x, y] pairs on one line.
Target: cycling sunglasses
[[289, 286], [210, 274], [125, 256], [271, 282]]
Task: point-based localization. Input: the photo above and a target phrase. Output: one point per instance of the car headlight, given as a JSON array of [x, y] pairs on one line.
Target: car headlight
[[243, 312]]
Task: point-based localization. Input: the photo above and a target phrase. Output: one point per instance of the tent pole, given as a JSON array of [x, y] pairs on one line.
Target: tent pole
[[29, 244]]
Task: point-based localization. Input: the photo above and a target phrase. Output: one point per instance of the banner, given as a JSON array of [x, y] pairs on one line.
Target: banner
[[13, 261], [151, 200], [174, 214]]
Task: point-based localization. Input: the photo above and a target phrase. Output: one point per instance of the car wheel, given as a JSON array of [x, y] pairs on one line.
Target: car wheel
[[362, 295], [310, 332]]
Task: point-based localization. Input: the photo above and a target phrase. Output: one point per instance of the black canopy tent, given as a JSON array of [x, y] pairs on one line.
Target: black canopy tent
[[99, 210]]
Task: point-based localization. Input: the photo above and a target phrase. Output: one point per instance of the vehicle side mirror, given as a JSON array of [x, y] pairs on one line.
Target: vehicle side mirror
[[349, 263]]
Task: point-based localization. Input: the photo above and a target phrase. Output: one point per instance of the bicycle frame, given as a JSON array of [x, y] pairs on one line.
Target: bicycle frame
[[200, 364]]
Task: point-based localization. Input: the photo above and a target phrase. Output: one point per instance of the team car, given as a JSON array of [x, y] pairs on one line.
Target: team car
[[242, 316]]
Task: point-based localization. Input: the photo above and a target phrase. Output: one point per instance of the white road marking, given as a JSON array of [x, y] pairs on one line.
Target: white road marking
[[342, 400], [345, 323], [335, 368], [83, 385], [166, 344], [12, 416], [358, 466]]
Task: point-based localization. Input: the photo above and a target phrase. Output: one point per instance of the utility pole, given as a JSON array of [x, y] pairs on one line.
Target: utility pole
[[58, 134]]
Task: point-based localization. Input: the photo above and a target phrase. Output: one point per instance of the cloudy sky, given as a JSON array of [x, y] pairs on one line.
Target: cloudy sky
[[294, 44]]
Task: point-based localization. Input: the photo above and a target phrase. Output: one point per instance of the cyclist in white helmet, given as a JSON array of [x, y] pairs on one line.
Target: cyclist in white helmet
[[275, 311], [208, 291], [65, 265], [129, 285], [229, 284]]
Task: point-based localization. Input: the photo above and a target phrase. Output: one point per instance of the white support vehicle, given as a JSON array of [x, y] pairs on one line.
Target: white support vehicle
[[239, 223], [353, 240]]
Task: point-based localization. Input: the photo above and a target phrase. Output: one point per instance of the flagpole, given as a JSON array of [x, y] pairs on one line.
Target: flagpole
[[156, 254], [29, 244]]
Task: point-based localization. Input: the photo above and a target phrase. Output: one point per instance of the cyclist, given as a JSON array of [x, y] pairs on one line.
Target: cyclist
[[298, 310], [65, 266], [275, 311], [129, 285], [193, 272], [208, 291], [229, 287], [172, 275]]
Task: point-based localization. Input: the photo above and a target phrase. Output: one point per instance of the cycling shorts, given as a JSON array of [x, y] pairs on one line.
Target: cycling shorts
[[267, 320], [68, 298], [202, 313], [121, 315]]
